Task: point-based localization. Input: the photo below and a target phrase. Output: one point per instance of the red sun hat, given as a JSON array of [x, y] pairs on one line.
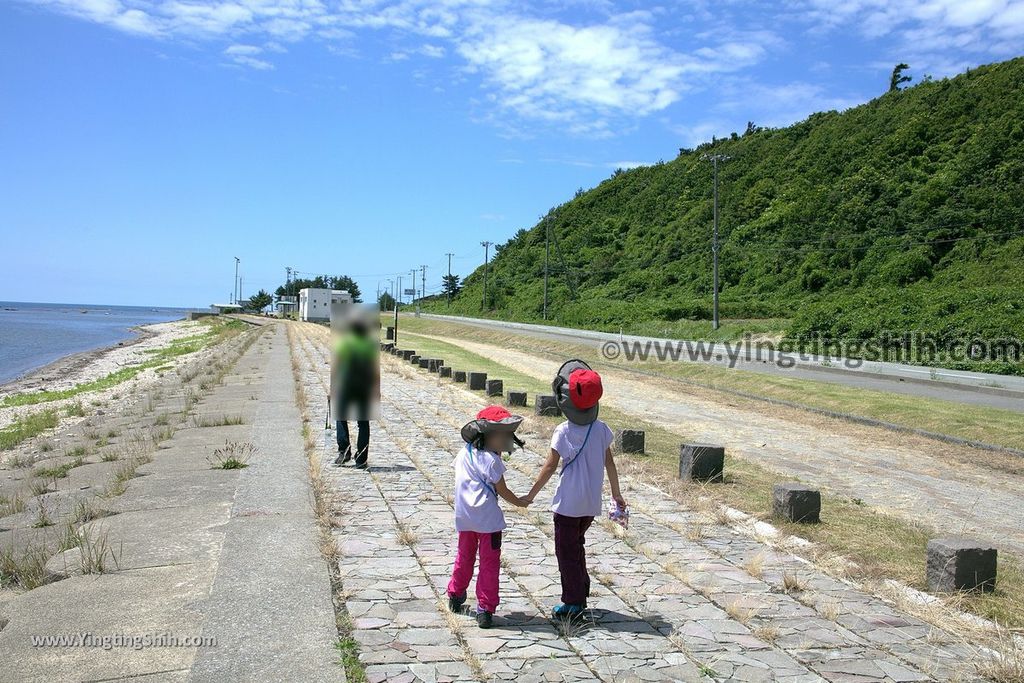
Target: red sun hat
[[493, 414], [585, 388]]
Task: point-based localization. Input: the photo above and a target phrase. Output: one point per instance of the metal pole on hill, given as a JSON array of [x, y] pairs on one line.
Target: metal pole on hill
[[547, 249], [715, 159], [423, 270], [448, 286], [413, 271], [234, 288], [485, 245]]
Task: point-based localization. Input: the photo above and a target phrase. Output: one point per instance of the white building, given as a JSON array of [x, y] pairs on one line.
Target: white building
[[315, 304]]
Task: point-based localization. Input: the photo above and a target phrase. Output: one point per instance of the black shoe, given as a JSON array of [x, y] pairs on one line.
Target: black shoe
[[455, 602], [483, 619], [343, 457], [360, 465]]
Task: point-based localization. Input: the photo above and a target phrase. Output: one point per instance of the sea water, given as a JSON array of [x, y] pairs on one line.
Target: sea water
[[33, 334]]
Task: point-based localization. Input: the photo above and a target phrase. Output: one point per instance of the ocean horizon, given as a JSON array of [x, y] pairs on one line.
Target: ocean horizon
[[34, 334]]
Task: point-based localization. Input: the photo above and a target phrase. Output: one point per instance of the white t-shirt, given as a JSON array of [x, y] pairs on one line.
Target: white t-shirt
[[580, 485], [476, 503]]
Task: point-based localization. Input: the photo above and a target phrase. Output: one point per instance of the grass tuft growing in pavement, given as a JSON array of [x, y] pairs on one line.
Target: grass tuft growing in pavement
[[234, 455]]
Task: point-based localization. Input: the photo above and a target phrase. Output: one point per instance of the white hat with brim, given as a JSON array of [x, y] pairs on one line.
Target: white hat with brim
[[560, 388]]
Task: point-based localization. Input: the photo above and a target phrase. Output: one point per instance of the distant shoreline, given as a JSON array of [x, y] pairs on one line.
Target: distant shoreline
[[36, 378]]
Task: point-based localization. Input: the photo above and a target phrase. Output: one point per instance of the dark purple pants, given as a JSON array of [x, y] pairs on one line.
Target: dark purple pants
[[570, 537]]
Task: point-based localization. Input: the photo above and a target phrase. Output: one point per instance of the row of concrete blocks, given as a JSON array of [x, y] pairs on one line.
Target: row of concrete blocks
[[953, 564]]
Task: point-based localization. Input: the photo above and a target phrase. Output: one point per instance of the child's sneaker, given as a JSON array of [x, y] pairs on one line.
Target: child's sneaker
[[455, 602], [564, 611], [483, 619]]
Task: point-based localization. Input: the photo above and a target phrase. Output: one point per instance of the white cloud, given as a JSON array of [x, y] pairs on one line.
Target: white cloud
[[588, 77], [626, 165], [926, 31], [245, 55]]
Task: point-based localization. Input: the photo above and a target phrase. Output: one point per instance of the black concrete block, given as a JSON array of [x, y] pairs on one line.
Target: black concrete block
[[478, 381], [517, 398], [701, 462], [459, 375], [444, 371], [495, 387], [546, 405], [960, 564], [629, 440], [796, 502]]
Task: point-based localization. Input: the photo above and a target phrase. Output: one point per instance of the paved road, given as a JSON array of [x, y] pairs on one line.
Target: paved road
[[950, 385]]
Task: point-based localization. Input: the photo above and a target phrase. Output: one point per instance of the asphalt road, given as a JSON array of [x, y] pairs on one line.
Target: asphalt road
[[974, 388]]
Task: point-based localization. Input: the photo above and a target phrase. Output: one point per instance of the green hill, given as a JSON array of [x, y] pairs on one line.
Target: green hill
[[903, 214]]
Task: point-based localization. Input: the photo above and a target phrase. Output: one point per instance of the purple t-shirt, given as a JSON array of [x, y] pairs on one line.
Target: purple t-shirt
[[476, 503], [580, 486]]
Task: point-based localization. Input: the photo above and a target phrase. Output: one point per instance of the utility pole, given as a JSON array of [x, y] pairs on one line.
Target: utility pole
[[413, 271], [400, 293], [715, 159], [448, 287], [423, 269], [486, 246], [547, 249], [234, 289]]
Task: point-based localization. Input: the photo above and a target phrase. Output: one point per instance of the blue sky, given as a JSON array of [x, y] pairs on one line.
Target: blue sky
[[145, 143]]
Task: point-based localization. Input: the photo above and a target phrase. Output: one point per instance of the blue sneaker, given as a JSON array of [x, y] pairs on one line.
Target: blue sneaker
[[562, 611]]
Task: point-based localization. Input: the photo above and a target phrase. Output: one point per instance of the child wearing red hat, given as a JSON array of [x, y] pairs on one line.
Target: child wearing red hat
[[583, 444], [479, 481]]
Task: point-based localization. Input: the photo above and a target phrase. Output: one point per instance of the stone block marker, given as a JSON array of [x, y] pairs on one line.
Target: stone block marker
[[517, 398], [414, 359], [958, 563], [444, 371], [434, 364], [407, 354], [701, 462], [478, 381], [495, 387], [546, 405], [629, 440], [389, 333], [459, 375], [796, 502], [424, 362]]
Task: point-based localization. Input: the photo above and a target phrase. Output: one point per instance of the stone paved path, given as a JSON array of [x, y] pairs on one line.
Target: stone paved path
[[888, 471], [676, 597]]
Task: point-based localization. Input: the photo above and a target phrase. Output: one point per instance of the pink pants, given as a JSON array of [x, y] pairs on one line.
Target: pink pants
[[489, 546]]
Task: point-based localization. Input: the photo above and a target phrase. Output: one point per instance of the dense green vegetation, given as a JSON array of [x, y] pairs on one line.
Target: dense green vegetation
[[903, 214]]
